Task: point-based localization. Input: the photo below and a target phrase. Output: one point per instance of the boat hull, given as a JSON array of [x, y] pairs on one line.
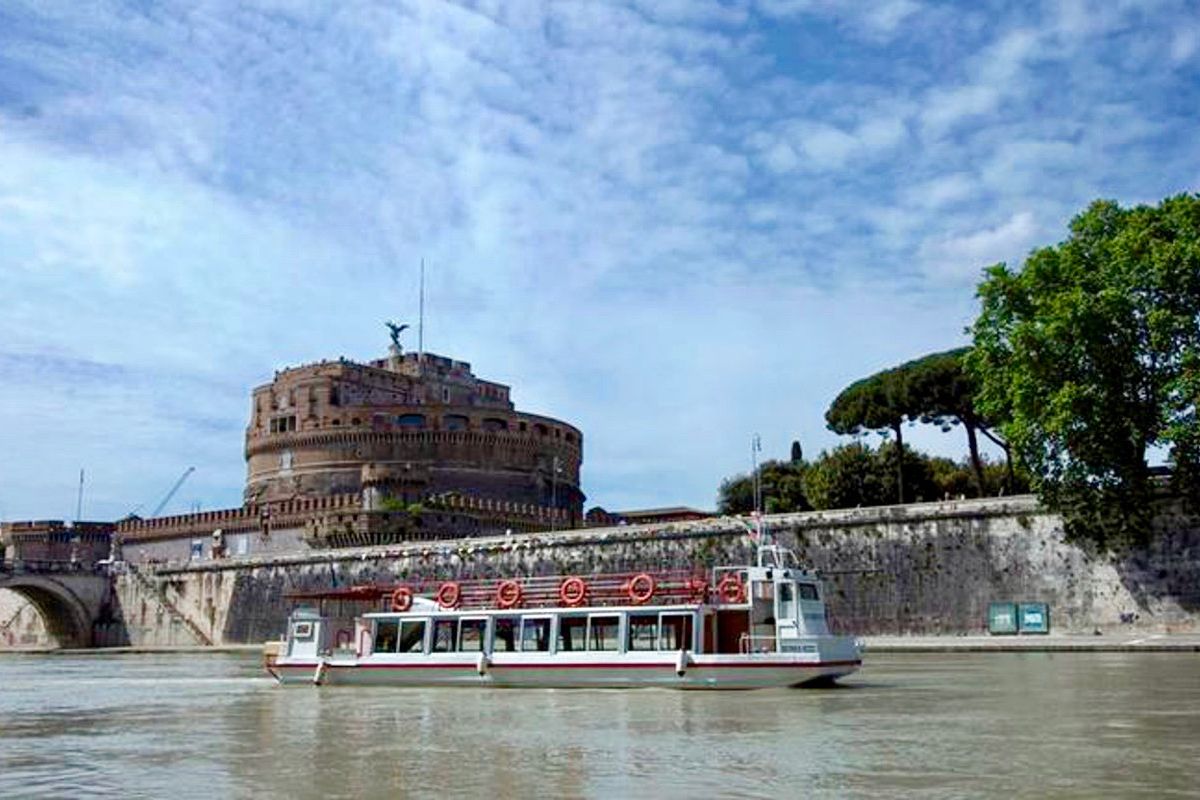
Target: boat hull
[[715, 672]]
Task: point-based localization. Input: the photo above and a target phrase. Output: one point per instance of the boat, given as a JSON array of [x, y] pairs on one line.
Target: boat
[[757, 626]]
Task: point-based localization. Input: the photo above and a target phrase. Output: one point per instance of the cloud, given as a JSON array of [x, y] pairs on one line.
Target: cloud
[[962, 256], [673, 223]]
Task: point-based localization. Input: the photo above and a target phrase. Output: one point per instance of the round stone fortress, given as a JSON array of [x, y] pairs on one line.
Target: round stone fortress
[[409, 427]]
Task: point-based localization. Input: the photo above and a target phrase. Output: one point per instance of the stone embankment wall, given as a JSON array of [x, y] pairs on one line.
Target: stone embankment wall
[[920, 569]]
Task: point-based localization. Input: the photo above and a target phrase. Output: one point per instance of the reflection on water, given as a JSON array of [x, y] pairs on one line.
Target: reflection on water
[[1069, 724]]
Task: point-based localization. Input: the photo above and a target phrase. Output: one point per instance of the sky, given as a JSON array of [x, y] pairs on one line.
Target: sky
[[672, 223]]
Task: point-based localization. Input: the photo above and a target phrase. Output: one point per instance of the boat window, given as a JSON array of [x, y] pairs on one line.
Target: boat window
[[787, 596], [808, 591], [535, 634], [386, 631], [302, 630], [676, 632], [572, 633], [412, 636], [504, 634], [603, 633], [443, 635], [643, 632], [471, 634]]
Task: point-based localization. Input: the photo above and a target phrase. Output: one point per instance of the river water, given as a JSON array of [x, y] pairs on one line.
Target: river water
[[928, 726]]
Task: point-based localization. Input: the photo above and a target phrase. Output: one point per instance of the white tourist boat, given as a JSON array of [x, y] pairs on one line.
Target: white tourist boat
[[740, 628]]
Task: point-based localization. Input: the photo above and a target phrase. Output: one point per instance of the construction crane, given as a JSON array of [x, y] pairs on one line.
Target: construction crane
[[163, 503]]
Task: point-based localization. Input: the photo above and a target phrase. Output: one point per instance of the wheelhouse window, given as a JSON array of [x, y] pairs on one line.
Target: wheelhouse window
[[787, 604], [386, 633], [808, 591], [504, 634], [572, 634], [604, 633], [535, 634], [472, 633], [443, 635], [412, 636], [643, 632], [676, 632]]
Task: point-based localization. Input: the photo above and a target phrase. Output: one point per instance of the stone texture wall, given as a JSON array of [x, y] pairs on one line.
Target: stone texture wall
[[926, 568]]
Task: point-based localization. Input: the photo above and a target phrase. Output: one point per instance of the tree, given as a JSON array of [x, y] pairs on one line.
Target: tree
[[782, 490], [855, 475], [878, 403], [797, 452], [1090, 352], [940, 391]]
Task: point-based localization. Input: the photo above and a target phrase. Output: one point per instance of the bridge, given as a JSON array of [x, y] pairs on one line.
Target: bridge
[[72, 598]]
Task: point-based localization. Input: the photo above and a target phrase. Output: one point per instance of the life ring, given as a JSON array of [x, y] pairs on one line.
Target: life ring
[[731, 590], [449, 594], [573, 591], [697, 589], [641, 588], [508, 594], [402, 599]]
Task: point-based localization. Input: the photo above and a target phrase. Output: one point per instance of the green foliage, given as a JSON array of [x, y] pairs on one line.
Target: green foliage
[[856, 475], [878, 403], [844, 477], [782, 490], [1090, 352]]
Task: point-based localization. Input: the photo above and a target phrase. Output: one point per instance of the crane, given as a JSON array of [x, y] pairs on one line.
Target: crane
[[163, 503]]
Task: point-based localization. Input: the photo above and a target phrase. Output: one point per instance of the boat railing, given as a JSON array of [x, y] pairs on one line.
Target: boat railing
[[757, 644]]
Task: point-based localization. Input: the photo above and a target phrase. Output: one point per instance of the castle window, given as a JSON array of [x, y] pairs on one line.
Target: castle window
[[336, 421], [355, 421], [445, 395], [333, 396], [523, 427], [571, 438], [455, 422], [541, 429], [493, 425], [411, 420]]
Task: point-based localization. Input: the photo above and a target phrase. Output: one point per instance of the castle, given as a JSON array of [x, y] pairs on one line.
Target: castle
[[412, 446]]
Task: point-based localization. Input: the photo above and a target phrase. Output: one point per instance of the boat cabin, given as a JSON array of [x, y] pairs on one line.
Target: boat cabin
[[772, 607]]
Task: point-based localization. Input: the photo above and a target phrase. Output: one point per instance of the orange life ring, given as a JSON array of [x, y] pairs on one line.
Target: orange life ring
[[573, 591], [508, 594], [402, 599], [697, 589], [449, 595], [641, 588], [731, 590]]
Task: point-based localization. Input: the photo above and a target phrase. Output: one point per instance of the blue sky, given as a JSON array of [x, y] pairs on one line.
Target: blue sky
[[671, 223]]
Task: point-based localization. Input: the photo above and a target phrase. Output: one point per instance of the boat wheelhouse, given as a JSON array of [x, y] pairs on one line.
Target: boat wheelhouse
[[742, 627]]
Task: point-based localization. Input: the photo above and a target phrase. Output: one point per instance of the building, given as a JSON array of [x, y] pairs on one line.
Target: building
[[410, 446], [598, 517], [407, 427]]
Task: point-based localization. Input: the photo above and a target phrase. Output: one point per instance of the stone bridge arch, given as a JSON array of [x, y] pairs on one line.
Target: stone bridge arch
[[67, 615]]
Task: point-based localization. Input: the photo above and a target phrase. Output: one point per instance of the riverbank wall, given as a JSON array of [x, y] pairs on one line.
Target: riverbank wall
[[921, 569]]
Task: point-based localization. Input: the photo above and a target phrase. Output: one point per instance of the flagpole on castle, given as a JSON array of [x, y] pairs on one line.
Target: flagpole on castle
[[421, 318]]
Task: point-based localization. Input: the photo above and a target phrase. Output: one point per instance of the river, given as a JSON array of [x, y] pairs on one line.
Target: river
[[928, 726]]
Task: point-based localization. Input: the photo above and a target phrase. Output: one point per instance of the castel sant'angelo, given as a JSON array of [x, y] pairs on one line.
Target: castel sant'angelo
[[407, 427], [409, 446]]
